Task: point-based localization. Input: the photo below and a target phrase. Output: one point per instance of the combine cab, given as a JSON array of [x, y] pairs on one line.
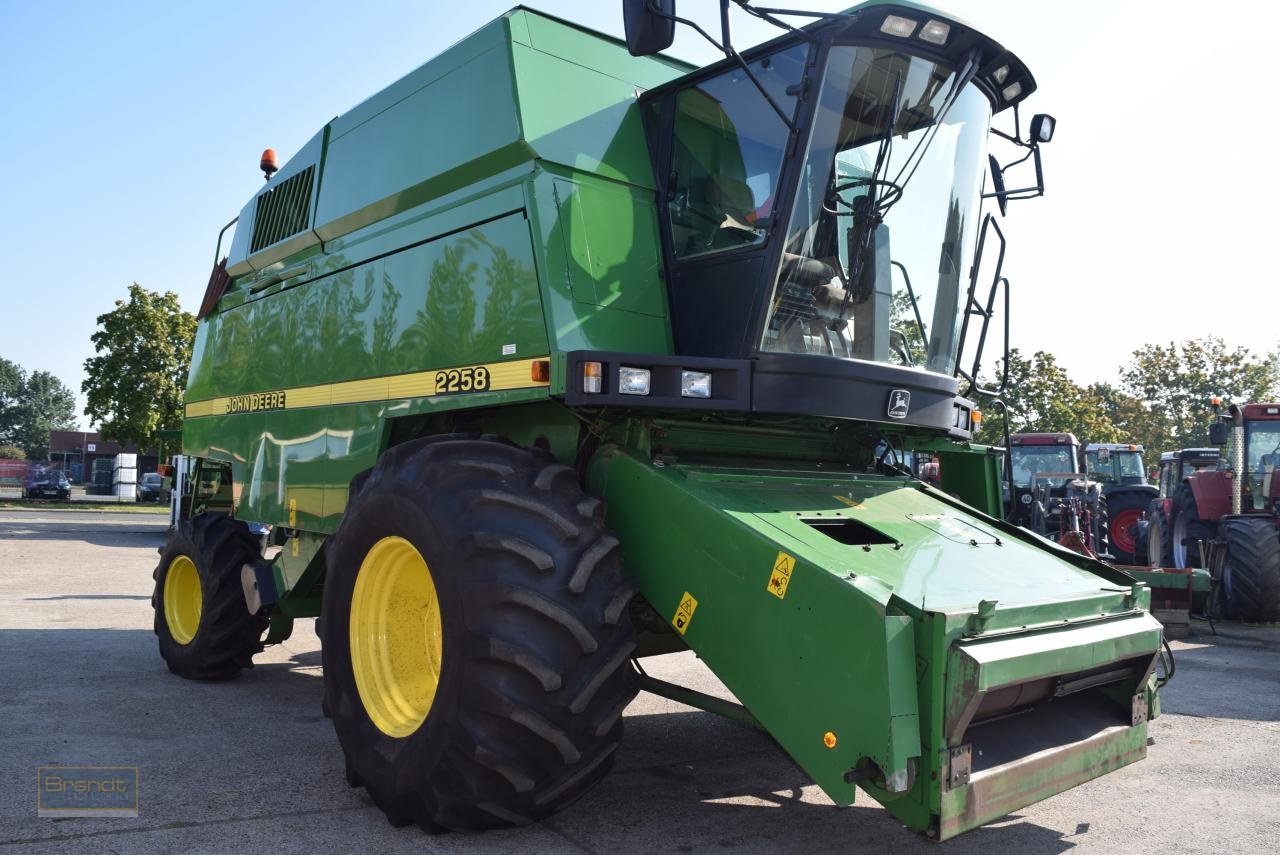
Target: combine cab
[[1119, 469], [530, 391]]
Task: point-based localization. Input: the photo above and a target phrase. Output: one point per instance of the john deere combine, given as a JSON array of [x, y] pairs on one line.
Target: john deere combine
[[554, 355]]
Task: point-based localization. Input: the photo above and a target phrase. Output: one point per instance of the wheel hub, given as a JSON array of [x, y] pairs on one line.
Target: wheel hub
[[397, 640], [1122, 529], [183, 599]]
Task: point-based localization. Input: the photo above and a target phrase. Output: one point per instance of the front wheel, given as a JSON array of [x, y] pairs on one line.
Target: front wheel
[[1250, 583], [204, 626], [476, 636], [1126, 510]]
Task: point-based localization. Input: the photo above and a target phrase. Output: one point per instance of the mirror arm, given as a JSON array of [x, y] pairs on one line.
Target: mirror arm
[[729, 52]]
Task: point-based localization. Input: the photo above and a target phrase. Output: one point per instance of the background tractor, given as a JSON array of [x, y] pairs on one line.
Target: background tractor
[[529, 388], [1236, 508], [1175, 467], [1118, 467], [1054, 494]]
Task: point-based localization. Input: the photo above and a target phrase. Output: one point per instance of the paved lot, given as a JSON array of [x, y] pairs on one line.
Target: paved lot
[[252, 765]]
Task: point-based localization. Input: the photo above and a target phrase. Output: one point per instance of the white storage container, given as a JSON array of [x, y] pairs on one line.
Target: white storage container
[[127, 492], [125, 476], [126, 461]]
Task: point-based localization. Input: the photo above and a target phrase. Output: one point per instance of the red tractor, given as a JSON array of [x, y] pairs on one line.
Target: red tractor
[[1236, 507], [1053, 495], [1175, 467]]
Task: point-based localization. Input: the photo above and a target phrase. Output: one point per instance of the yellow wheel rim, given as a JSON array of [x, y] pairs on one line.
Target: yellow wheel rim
[[396, 637], [182, 599]]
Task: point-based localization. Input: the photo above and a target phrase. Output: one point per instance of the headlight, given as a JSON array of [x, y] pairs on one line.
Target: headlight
[[695, 384], [633, 381]]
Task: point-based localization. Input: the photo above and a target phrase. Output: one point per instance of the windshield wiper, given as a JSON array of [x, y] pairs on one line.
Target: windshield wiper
[[883, 194], [868, 213]]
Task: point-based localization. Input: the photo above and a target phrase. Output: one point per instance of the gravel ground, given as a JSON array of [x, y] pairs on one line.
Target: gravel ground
[[252, 764]]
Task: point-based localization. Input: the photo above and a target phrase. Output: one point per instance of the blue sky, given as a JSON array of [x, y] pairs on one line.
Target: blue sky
[[132, 132]]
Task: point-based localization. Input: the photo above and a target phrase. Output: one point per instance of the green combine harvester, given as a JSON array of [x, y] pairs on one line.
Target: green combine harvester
[[555, 355]]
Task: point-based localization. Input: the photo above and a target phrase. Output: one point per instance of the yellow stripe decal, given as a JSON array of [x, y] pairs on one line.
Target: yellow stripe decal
[[490, 377]]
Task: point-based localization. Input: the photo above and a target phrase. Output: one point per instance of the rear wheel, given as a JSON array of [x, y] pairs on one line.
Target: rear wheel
[[1184, 529], [202, 622], [1250, 583], [476, 638], [1126, 510], [1159, 550]]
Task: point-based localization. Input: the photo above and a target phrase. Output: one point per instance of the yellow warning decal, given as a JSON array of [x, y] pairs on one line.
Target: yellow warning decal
[[848, 500], [781, 575], [490, 377], [684, 613]]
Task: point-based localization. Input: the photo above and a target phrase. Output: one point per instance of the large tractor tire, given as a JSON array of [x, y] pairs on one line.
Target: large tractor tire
[[1184, 526], [204, 626], [476, 635], [1250, 583], [1125, 509], [1159, 539]]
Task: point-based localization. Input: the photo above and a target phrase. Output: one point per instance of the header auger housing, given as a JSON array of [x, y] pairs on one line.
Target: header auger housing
[[583, 380]]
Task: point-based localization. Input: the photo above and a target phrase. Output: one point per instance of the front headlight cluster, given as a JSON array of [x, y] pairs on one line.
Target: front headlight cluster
[[633, 380]]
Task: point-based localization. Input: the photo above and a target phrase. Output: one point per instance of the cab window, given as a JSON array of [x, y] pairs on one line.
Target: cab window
[[727, 154]]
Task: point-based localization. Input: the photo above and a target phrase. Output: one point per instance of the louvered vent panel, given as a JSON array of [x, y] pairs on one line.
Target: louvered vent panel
[[283, 211]]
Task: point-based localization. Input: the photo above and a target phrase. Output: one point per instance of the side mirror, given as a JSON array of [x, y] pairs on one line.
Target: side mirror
[[1218, 433], [1042, 125], [649, 25], [997, 184]]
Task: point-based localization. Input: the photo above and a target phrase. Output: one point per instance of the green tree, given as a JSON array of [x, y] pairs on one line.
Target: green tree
[[12, 379], [47, 405], [135, 384], [12, 452], [1041, 396], [1175, 383], [31, 406]]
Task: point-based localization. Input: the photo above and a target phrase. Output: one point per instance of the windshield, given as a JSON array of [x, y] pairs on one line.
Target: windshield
[[1261, 455], [1263, 449], [1116, 467], [1029, 460], [882, 232], [151, 478]]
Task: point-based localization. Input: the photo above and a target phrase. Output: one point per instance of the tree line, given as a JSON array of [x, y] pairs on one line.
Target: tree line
[[1160, 398], [31, 405]]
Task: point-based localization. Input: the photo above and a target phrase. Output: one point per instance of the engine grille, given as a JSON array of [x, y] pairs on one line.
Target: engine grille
[[282, 211]]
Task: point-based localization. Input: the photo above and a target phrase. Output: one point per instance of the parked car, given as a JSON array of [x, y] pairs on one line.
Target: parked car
[[46, 484], [152, 488]]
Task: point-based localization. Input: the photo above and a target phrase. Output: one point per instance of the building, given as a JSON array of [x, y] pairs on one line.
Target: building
[[76, 451]]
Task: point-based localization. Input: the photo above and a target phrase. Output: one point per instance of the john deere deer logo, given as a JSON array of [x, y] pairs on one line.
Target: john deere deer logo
[[899, 403]]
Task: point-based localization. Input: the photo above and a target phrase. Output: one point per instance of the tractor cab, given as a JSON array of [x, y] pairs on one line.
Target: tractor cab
[[821, 211], [1050, 457], [1176, 466], [1251, 434], [1115, 464]]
